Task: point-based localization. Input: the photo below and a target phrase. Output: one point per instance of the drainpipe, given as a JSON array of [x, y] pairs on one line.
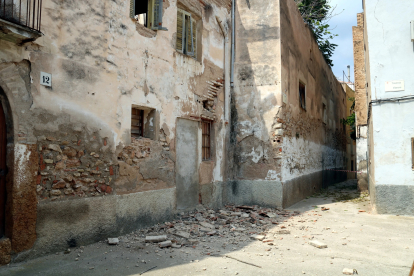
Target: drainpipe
[[232, 41]]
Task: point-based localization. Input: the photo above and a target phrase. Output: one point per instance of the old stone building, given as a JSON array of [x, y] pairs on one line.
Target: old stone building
[[286, 138], [120, 114]]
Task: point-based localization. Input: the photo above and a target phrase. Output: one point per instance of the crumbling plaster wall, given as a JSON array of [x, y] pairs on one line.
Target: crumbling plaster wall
[[309, 145], [361, 105], [103, 63], [256, 95]]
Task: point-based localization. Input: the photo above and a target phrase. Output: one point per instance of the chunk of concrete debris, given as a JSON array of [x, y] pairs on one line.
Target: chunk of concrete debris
[[165, 244], [212, 233], [155, 238], [236, 214], [193, 241], [349, 271], [257, 237], [202, 229], [207, 225], [283, 232], [182, 234], [113, 241], [318, 244], [174, 245]]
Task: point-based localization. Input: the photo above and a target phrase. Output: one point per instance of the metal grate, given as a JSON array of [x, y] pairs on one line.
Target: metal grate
[[137, 122], [206, 143], [27, 13]]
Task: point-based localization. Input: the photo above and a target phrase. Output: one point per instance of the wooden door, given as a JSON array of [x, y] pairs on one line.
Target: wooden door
[[3, 170]]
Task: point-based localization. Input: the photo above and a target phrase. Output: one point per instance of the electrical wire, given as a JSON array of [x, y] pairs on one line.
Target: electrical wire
[[388, 100]]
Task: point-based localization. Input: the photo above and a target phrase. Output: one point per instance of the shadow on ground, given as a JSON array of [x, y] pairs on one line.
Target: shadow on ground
[[338, 217]]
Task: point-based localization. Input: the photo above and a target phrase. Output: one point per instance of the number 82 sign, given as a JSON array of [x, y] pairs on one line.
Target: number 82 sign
[[45, 79]]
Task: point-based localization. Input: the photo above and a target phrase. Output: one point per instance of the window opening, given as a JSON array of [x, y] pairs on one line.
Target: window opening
[[302, 99], [352, 165], [148, 13], [137, 122], [186, 34], [206, 140]]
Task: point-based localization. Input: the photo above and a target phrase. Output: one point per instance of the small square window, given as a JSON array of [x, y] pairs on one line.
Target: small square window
[[302, 95], [137, 122], [206, 140]]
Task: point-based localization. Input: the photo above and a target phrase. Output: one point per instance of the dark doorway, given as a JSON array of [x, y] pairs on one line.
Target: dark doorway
[[3, 170]]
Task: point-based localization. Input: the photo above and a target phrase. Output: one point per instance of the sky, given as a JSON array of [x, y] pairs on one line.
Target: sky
[[342, 24]]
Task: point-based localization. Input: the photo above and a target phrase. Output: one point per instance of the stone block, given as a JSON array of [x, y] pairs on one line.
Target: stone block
[[155, 238], [5, 250], [257, 237], [113, 241], [318, 244], [165, 244]]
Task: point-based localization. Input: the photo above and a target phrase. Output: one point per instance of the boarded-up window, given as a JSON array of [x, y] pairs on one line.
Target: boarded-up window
[[302, 95], [137, 122], [186, 34], [206, 140]]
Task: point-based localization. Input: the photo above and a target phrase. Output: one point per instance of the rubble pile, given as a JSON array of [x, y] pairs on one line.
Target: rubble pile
[[223, 228]]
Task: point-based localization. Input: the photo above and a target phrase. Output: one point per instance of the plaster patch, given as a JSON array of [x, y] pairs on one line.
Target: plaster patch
[[22, 158], [273, 175]]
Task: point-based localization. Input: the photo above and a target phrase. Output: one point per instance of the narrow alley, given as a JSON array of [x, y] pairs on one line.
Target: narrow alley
[[250, 240]]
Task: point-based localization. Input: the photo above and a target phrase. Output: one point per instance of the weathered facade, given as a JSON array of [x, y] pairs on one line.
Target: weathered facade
[[287, 108], [113, 125], [75, 173], [361, 105], [350, 142], [385, 102]]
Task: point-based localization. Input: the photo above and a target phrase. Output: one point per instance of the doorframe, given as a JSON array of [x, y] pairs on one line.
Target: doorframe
[[4, 101]]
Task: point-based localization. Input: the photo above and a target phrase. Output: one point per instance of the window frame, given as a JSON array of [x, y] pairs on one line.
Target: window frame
[[141, 120], [153, 15], [194, 36], [206, 127], [302, 98]]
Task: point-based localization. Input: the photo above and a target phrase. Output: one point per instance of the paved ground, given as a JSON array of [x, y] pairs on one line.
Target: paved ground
[[355, 239]]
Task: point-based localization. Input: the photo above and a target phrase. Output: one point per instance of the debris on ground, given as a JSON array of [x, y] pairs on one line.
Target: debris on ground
[[318, 244], [113, 241], [349, 271]]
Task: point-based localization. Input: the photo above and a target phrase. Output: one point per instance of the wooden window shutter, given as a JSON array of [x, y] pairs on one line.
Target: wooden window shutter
[[157, 10], [194, 25], [180, 31], [132, 8], [189, 36]]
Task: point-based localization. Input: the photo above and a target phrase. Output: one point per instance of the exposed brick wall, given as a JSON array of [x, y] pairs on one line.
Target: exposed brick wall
[[359, 68]]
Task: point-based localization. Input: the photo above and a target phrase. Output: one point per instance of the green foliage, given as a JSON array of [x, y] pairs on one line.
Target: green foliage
[[317, 13], [350, 120]]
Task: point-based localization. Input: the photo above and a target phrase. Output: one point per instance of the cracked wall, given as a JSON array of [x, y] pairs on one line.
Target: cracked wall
[[103, 63]]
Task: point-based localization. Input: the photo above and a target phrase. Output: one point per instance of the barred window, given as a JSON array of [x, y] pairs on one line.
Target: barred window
[[206, 143], [137, 122]]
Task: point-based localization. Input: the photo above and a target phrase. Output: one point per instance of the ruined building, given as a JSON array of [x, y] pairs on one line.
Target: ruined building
[[119, 114], [384, 104]]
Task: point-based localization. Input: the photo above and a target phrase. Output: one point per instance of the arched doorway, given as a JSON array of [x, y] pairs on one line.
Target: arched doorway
[[3, 169]]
